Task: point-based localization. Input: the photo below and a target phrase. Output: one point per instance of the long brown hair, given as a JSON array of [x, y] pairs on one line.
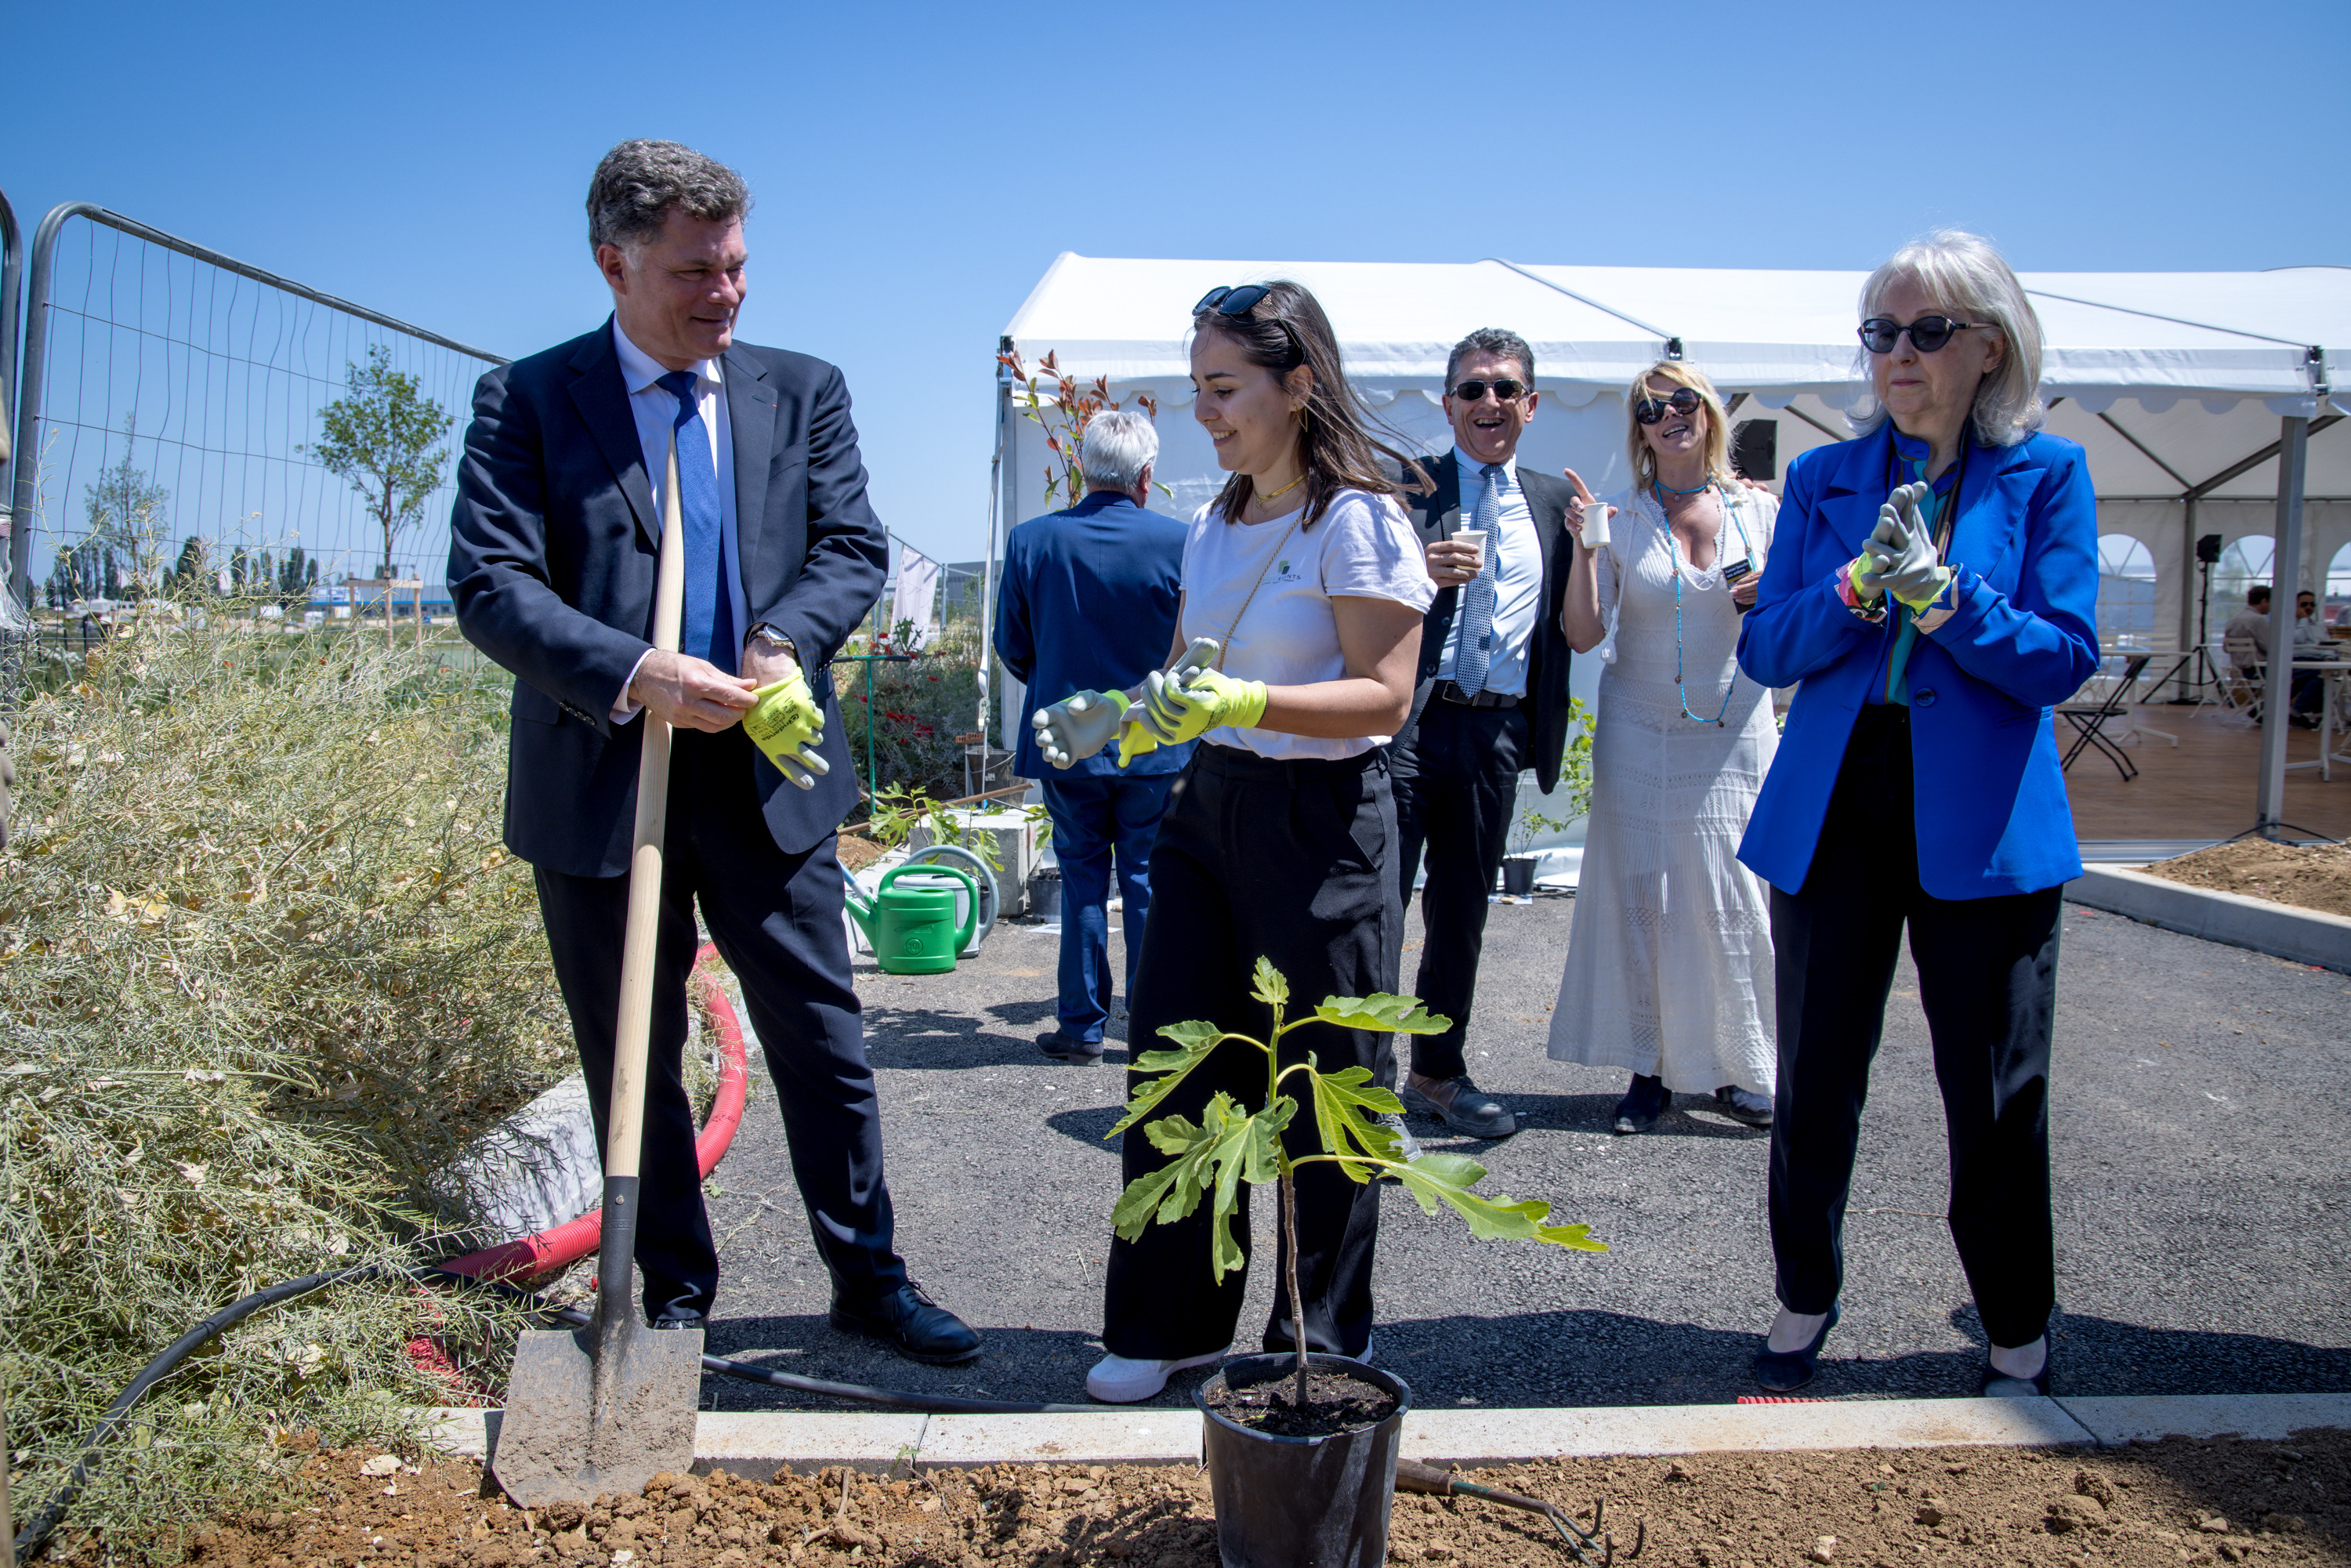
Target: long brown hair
[[1283, 332]]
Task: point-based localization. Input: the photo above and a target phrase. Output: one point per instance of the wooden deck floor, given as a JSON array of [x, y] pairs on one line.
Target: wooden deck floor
[[2204, 788]]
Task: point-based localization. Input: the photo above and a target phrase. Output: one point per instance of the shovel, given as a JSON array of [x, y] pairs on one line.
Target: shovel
[[607, 1407]]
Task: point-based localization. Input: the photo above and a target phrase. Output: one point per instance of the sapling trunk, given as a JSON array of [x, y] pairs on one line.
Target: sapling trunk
[[1297, 1300]]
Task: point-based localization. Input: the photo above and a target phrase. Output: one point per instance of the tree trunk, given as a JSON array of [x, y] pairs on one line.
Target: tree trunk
[[1297, 1301]]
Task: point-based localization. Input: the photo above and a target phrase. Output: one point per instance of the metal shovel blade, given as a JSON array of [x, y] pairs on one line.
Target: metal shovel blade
[[555, 1445]]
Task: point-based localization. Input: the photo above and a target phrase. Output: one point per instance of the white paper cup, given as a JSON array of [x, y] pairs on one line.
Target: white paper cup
[[1475, 538], [1596, 524]]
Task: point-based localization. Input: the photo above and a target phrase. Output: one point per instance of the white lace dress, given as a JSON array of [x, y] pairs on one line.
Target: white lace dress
[[1669, 958]]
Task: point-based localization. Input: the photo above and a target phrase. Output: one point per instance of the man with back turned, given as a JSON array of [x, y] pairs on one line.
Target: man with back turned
[[552, 558]]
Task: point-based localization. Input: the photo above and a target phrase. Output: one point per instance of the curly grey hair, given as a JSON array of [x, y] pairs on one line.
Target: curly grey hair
[[638, 182], [1964, 274]]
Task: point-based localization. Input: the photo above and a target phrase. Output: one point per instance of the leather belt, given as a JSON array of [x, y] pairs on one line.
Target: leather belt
[[1453, 694]]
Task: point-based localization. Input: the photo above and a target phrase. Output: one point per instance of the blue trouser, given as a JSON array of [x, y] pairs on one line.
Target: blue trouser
[[1094, 818]]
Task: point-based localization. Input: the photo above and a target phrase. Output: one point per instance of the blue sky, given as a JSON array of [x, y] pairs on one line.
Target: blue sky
[[917, 167]]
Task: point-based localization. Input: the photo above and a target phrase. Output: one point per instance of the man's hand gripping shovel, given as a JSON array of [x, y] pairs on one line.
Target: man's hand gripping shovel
[[607, 1407]]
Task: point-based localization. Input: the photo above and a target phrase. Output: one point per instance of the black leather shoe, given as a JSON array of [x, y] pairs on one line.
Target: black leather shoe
[[909, 1323], [1068, 1048], [1997, 1385], [1785, 1371]]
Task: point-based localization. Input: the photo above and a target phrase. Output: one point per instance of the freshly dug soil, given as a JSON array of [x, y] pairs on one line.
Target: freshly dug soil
[[2308, 876], [2149, 1506], [857, 852], [1335, 1402]]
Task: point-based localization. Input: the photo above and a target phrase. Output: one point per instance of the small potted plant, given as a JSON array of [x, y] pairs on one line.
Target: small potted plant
[[1302, 1448]]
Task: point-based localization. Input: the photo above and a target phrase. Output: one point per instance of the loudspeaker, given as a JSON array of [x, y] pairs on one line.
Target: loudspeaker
[[1755, 448], [2208, 548]]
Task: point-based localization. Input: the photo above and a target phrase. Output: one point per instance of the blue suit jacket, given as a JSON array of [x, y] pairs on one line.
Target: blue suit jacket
[[1988, 796], [1088, 603], [552, 551]]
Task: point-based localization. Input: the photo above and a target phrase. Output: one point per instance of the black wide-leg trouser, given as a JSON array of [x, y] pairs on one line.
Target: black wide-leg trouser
[[1987, 979], [1288, 860]]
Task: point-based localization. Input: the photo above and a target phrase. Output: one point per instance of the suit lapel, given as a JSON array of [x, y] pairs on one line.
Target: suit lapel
[[1993, 495], [1850, 499], [603, 404], [751, 419]]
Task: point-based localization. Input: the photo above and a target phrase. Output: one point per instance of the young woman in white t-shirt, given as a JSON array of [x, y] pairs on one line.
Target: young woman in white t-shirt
[[1276, 837]]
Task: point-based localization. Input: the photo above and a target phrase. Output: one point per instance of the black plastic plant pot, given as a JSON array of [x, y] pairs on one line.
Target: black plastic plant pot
[[1302, 1503], [1519, 876]]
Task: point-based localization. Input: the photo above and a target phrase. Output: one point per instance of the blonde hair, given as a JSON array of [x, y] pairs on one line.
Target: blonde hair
[[1963, 273], [1718, 420]]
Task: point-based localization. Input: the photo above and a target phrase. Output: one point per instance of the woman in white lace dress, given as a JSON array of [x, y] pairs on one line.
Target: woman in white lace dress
[[1669, 964]]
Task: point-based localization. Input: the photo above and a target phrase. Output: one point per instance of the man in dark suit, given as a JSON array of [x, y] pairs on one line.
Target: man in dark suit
[[552, 558], [1089, 604], [1491, 697]]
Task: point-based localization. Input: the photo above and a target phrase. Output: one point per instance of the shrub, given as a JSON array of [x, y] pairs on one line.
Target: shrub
[[922, 706]]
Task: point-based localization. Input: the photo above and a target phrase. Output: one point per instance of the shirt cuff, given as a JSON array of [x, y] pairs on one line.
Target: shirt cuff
[[1852, 600], [624, 710]]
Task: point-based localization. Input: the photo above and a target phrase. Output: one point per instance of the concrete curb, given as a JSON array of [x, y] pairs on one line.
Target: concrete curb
[[759, 1443], [2304, 935]]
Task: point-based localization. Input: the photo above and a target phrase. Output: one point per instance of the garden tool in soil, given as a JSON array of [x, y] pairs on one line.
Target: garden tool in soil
[[1414, 1476], [787, 725], [1080, 725], [607, 1407]]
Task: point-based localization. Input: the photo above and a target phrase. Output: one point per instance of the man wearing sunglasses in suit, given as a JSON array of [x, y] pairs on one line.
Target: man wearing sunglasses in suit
[[552, 557], [1491, 700]]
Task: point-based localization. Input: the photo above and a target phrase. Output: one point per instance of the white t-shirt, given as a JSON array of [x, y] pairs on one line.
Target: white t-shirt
[[1361, 548]]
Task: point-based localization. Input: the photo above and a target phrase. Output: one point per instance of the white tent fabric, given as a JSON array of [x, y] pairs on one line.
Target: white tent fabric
[[2176, 383]]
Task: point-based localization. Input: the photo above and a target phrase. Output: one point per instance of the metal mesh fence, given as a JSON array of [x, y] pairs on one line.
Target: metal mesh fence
[[178, 396]]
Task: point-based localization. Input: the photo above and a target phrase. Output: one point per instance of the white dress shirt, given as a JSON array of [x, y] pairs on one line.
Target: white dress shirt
[[1517, 577], [654, 407]]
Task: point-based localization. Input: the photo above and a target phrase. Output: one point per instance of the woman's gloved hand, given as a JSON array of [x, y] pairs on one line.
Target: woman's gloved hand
[[786, 724], [1899, 557], [1206, 700], [1078, 725]]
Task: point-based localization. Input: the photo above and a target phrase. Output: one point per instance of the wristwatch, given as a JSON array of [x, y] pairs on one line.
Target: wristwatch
[[774, 642]]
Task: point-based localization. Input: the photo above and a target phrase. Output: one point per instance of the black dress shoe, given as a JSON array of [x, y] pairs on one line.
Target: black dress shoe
[[1785, 1371], [909, 1323], [1997, 1385], [1068, 1047]]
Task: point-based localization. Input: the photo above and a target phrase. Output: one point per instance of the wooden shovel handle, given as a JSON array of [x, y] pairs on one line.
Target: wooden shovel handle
[[625, 1135]]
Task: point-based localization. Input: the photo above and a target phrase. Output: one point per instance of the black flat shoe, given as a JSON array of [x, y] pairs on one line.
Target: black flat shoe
[[1997, 1385], [1644, 1103], [909, 1323], [1785, 1371]]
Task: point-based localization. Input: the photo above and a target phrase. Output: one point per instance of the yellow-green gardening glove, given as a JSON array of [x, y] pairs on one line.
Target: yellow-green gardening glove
[[1206, 700], [1899, 557], [786, 724], [1078, 725]]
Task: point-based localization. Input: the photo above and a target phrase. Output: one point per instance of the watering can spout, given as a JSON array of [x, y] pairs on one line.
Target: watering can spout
[[860, 908]]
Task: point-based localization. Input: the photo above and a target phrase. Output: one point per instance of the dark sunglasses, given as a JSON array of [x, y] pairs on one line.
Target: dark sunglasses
[[1650, 410], [1474, 391], [1227, 300], [1928, 333]]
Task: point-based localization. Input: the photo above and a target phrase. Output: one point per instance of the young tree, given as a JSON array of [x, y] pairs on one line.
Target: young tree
[[193, 574], [123, 510], [382, 439]]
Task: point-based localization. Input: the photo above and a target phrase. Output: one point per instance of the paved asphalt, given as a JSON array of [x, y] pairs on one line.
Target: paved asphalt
[[2203, 1199]]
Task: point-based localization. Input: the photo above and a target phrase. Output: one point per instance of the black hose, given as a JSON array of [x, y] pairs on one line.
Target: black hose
[[36, 1535]]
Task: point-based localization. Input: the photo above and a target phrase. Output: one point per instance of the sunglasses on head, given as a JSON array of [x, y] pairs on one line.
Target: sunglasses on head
[[1683, 401], [1928, 333], [1474, 391], [1227, 300]]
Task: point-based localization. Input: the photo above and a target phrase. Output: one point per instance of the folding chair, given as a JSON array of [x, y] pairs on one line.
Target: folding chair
[[2088, 714]]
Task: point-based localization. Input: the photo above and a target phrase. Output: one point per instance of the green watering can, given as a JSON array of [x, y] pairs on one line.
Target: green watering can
[[913, 929]]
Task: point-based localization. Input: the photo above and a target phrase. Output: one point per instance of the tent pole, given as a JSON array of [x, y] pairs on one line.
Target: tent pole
[[2285, 582], [2192, 674]]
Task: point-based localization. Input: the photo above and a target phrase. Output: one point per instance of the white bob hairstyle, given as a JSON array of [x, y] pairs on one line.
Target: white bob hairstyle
[[1118, 445], [1964, 275]]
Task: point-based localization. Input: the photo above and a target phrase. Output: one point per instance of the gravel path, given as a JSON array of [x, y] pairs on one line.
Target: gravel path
[[2202, 1222]]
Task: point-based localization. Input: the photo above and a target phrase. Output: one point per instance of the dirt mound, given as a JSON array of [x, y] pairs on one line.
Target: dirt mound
[[2308, 876], [2167, 1503]]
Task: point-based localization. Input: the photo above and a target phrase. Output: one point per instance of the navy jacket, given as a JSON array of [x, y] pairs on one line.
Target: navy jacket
[[1989, 794], [1088, 603], [552, 551]]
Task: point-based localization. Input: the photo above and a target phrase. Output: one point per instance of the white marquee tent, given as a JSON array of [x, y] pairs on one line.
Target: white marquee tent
[[2185, 388]]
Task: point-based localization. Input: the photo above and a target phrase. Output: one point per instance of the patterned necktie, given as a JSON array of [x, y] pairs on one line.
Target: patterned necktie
[[707, 629], [1474, 651]]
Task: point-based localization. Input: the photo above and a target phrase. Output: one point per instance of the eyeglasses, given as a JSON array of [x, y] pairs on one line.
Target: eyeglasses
[[1928, 333], [1683, 401], [1227, 300], [1474, 391]]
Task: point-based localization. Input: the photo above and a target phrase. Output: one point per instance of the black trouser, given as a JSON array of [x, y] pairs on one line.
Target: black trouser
[[1988, 980], [1457, 780], [1287, 860], [776, 921]]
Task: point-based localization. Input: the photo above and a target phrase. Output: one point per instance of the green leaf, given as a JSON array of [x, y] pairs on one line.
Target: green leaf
[[1344, 1103], [1213, 1156], [1197, 1038], [1382, 1012], [1446, 1179], [1271, 987]]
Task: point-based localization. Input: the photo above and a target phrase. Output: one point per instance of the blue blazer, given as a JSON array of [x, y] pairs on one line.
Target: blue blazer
[[1088, 603], [552, 550], [1988, 796]]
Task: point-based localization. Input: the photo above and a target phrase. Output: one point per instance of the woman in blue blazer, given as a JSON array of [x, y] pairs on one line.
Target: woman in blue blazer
[[1934, 592]]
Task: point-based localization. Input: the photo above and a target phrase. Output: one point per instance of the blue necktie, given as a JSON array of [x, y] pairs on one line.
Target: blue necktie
[[1470, 655], [707, 629]]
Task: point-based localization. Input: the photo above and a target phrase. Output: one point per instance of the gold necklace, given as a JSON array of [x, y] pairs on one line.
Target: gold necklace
[[1286, 490]]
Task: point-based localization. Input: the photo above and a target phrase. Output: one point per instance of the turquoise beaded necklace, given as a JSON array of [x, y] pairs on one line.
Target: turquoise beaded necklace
[[1675, 544]]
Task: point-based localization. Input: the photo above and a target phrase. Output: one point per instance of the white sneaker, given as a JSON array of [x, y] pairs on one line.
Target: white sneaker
[[1121, 1380]]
